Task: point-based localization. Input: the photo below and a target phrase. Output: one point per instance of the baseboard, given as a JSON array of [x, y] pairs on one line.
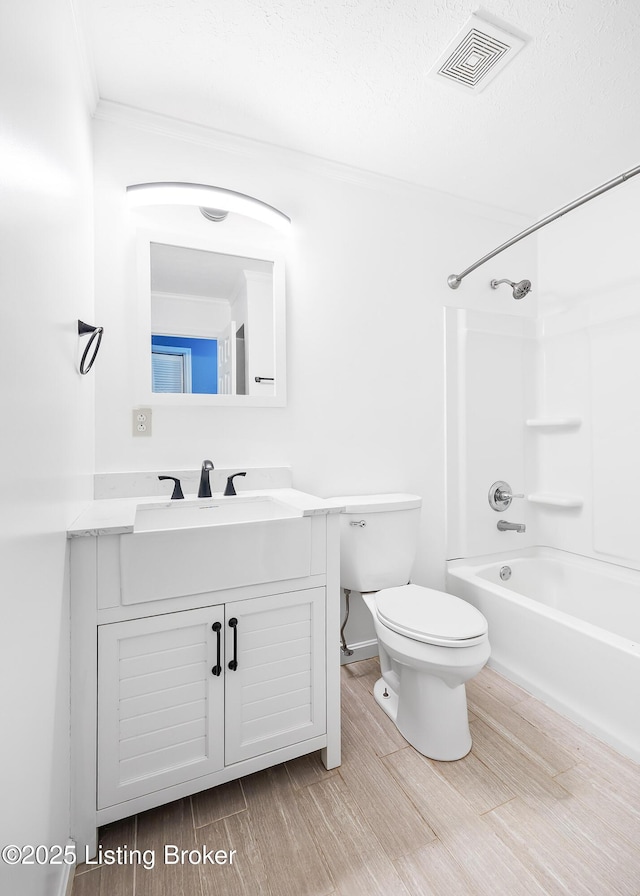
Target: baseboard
[[66, 874], [363, 650]]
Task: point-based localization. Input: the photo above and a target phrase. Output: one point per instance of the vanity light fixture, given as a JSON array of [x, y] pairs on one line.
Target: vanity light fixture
[[213, 214], [207, 198]]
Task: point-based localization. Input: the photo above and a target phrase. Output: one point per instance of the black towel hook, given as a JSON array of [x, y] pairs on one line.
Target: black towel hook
[[96, 336]]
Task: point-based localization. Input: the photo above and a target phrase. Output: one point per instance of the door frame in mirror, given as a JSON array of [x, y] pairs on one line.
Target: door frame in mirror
[[142, 341]]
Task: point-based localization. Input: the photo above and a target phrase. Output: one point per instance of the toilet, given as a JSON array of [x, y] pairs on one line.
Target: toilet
[[430, 643]]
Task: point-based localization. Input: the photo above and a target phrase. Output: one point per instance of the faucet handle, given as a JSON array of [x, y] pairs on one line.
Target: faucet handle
[[230, 487], [501, 496], [177, 488]]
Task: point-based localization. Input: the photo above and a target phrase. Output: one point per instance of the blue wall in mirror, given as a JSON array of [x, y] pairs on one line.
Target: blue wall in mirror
[[204, 360]]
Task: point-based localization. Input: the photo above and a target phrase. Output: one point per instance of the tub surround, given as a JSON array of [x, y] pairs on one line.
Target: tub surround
[[544, 404], [565, 627], [558, 428]]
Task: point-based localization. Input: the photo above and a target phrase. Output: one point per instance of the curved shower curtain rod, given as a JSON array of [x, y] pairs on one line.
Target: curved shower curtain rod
[[454, 280]]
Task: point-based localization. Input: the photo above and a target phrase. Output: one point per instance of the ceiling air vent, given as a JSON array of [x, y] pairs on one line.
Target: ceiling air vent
[[477, 54]]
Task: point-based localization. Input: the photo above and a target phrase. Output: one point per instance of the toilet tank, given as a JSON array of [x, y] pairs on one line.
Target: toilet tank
[[378, 540]]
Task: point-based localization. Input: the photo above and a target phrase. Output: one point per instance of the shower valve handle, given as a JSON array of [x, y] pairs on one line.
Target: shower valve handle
[[501, 496], [506, 496]]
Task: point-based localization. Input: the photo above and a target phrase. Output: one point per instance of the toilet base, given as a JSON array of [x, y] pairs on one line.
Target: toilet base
[[441, 730], [389, 702]]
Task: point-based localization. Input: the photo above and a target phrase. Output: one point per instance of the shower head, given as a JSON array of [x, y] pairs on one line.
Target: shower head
[[520, 289]]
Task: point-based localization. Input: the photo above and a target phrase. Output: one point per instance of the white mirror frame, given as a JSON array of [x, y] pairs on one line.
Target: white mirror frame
[[142, 344]]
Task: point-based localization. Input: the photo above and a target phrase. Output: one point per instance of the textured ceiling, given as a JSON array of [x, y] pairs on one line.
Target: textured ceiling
[[348, 80]]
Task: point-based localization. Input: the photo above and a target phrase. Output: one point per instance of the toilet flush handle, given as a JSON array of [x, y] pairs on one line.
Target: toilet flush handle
[[360, 523]]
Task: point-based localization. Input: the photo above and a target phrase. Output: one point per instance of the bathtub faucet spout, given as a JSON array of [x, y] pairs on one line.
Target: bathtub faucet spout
[[504, 526]]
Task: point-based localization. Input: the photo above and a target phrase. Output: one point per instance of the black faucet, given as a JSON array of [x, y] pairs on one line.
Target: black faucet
[[204, 490], [230, 488], [177, 488]]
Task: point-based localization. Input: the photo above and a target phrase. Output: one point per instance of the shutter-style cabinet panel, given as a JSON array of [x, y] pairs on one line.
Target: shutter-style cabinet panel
[[275, 696], [160, 705]]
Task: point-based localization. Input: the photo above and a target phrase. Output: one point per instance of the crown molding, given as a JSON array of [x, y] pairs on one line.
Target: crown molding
[[234, 144], [204, 300]]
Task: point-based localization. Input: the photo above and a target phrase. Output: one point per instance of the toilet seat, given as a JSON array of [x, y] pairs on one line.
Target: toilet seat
[[430, 616]]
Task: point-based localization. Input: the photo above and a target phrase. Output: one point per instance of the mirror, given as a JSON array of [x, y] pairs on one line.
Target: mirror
[[212, 322]]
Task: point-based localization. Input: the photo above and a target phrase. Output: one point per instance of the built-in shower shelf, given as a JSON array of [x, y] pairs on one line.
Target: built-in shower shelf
[[554, 422], [556, 500]]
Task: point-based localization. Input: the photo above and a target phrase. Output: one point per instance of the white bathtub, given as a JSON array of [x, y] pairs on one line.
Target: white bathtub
[[567, 629]]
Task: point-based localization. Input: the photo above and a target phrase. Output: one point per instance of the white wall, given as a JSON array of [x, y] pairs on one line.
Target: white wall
[[367, 265], [46, 450]]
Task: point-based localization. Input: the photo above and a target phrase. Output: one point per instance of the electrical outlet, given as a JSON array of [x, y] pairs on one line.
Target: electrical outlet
[[141, 421]]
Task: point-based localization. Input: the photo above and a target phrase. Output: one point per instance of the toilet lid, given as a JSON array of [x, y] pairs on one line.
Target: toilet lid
[[430, 616]]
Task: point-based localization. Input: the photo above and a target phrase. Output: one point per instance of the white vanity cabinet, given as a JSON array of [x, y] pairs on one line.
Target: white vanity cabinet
[[182, 695], [177, 693]]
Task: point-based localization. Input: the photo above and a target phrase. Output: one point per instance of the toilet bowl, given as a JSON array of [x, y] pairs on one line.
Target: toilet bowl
[[430, 643]]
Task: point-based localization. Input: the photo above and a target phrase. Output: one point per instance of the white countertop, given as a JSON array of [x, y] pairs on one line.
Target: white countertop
[[116, 516]]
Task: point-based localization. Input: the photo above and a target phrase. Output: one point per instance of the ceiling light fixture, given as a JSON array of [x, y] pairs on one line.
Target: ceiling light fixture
[[207, 197]]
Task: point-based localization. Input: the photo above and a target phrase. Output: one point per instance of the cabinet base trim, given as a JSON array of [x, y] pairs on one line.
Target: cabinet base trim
[[230, 773]]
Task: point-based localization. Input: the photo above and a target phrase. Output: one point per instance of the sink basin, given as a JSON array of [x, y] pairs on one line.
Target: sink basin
[[210, 512], [196, 546]]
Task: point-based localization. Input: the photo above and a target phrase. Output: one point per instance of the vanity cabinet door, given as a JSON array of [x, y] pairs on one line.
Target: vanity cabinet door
[[160, 703], [274, 672]]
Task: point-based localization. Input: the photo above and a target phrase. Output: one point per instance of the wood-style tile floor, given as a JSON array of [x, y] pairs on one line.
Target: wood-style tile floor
[[537, 807]]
